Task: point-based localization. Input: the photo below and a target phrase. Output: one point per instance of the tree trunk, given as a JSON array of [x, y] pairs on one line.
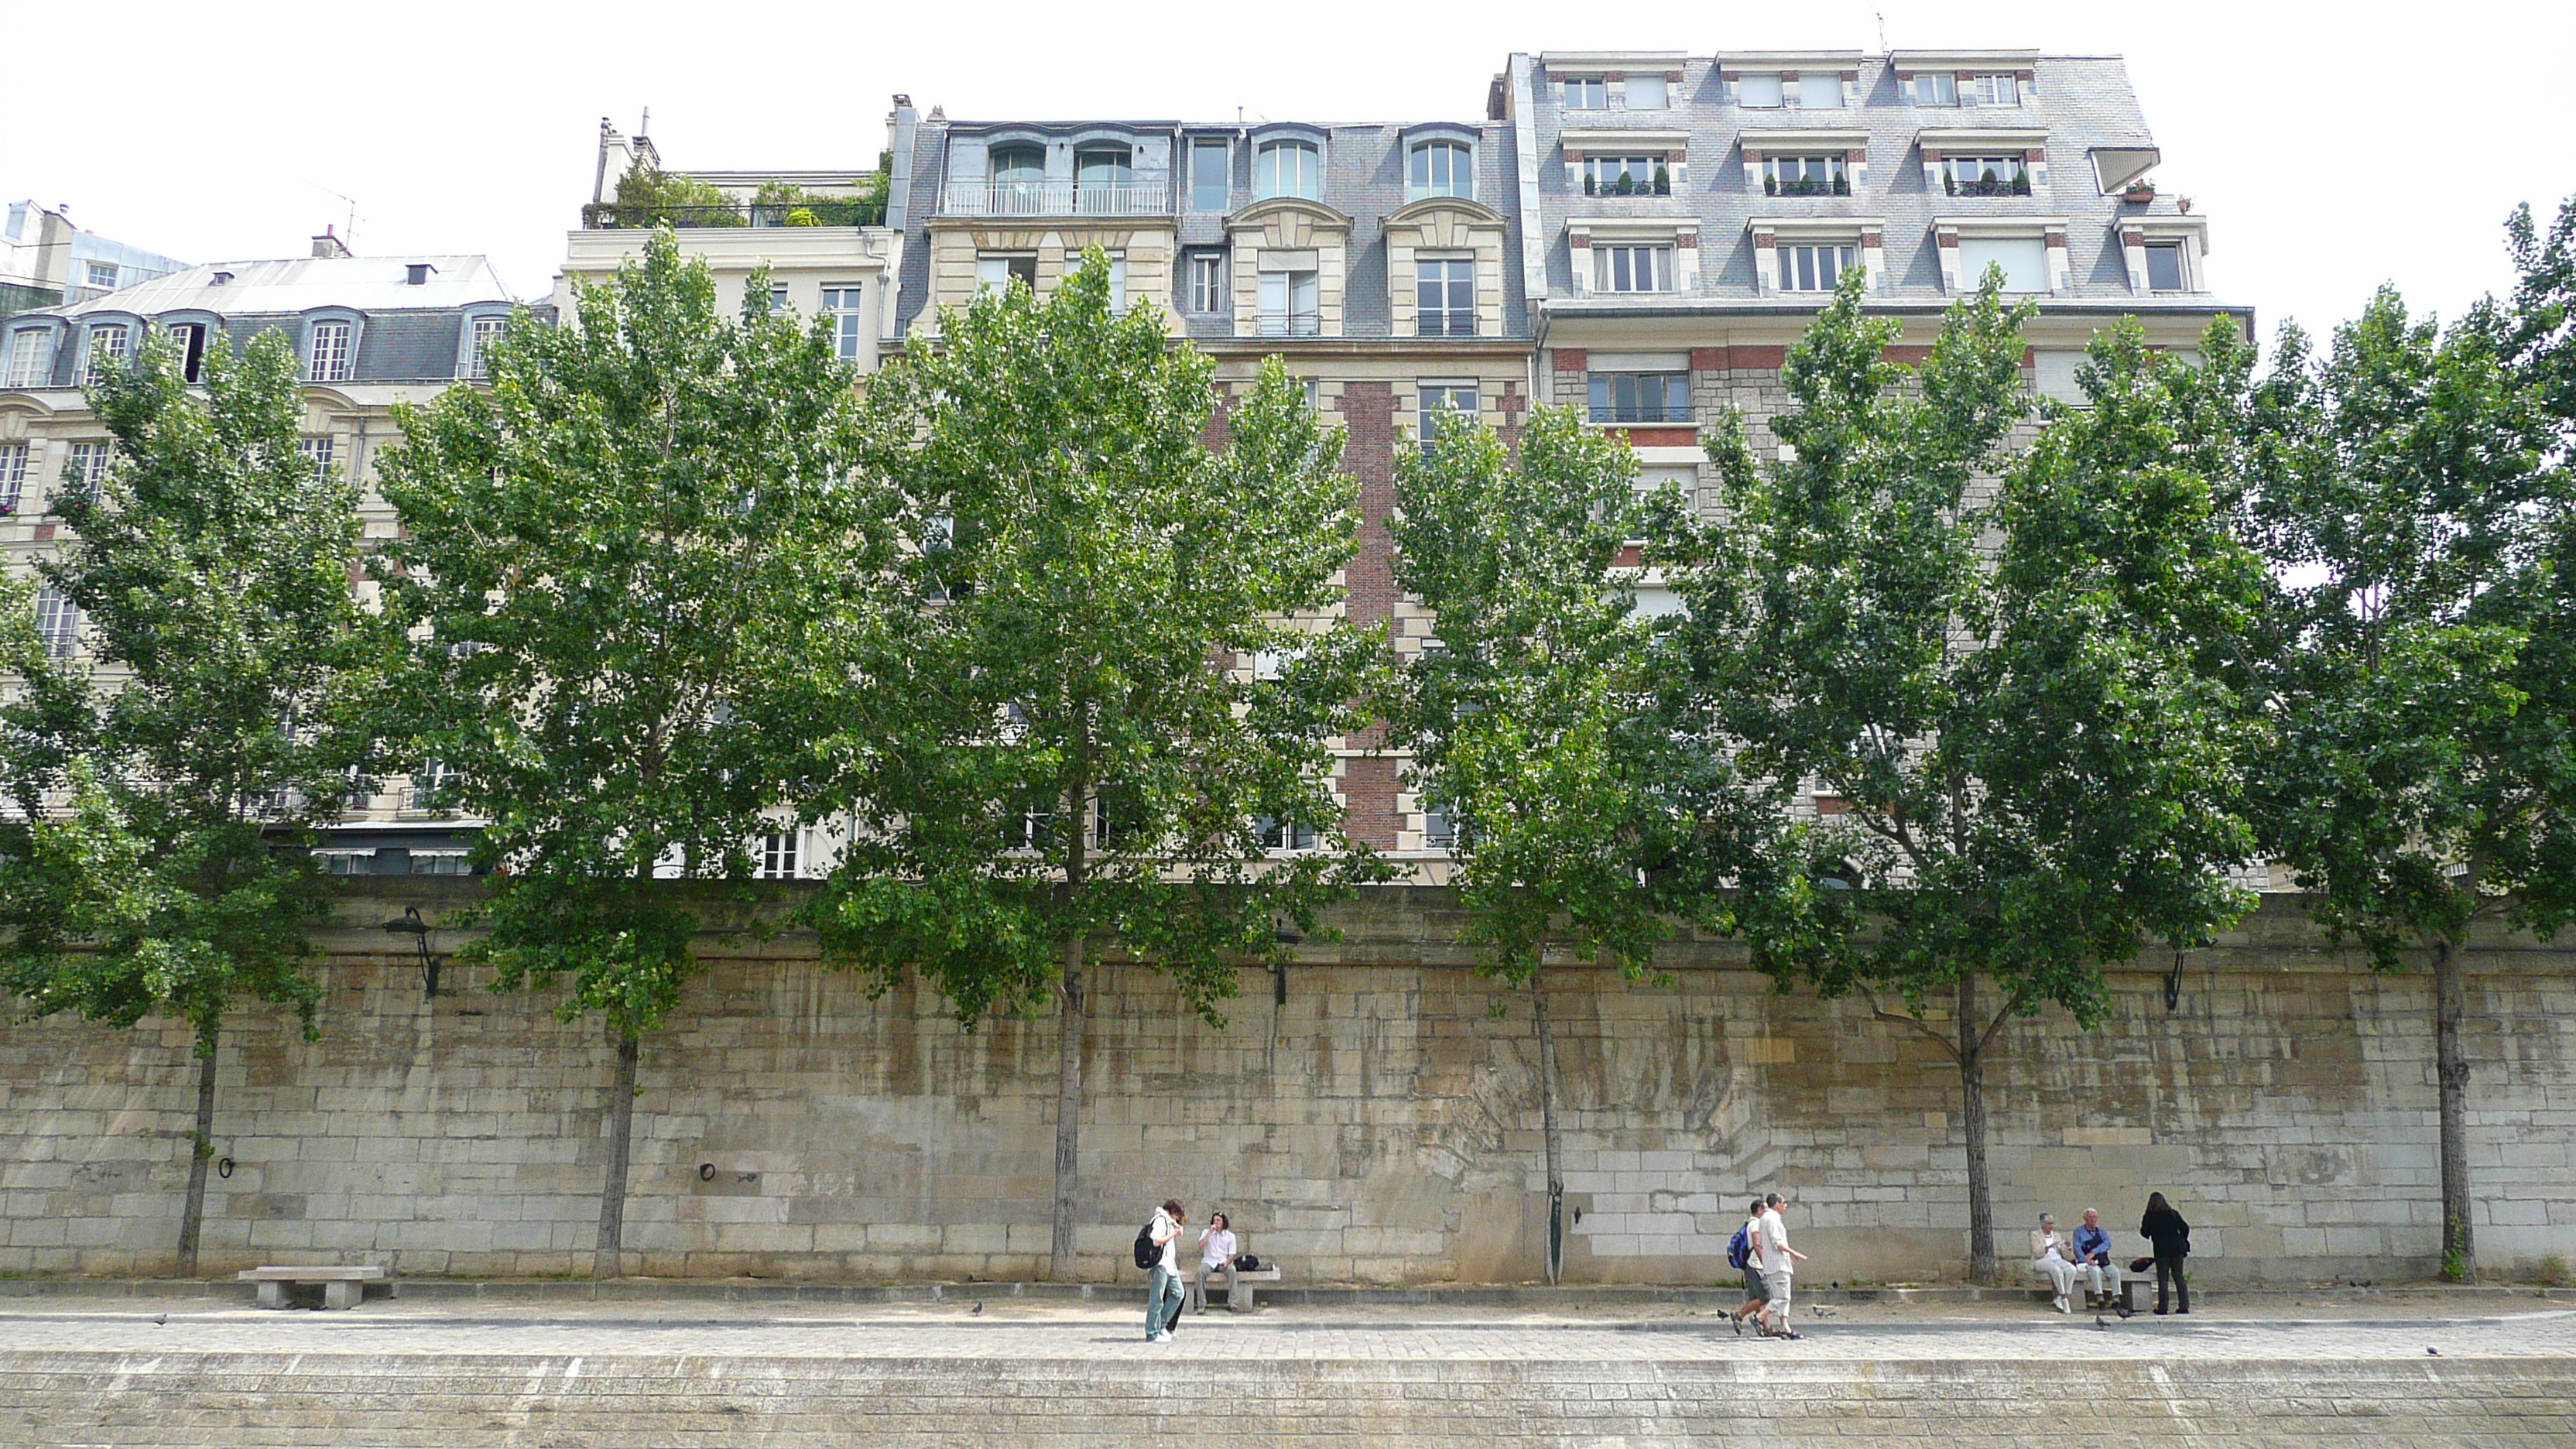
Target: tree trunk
[[1068, 1116], [607, 1257], [201, 1149], [1972, 1126], [2451, 1072], [1549, 1144]]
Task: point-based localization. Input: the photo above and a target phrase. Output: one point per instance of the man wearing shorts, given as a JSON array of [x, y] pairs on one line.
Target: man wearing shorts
[[1753, 1299]]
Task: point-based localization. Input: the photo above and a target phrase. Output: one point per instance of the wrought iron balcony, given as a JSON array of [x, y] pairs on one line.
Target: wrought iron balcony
[[1141, 196], [811, 211], [1292, 324]]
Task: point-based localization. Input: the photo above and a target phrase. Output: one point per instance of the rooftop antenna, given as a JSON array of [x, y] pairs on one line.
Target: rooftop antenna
[[349, 228], [1882, 30], [645, 126]]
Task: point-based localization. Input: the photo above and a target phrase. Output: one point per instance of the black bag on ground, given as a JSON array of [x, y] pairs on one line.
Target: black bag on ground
[[1149, 1254]]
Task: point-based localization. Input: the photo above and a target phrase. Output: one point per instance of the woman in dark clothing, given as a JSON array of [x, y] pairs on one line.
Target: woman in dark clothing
[[2171, 1236]]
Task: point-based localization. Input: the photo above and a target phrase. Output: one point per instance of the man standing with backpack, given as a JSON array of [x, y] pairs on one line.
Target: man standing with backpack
[[1739, 1254], [1158, 1253]]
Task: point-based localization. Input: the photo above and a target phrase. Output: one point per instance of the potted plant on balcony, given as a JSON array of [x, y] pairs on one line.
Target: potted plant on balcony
[[2140, 190], [1770, 185], [1663, 180]]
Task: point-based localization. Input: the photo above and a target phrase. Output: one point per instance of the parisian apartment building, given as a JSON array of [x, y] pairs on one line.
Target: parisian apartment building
[[1639, 235]]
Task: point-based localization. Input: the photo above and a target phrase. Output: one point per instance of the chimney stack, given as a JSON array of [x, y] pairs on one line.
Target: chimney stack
[[329, 245]]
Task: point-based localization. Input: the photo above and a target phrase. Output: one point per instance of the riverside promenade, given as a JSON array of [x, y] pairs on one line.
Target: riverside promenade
[[550, 1366]]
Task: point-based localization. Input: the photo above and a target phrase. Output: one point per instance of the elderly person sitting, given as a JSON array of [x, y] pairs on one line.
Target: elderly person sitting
[[2053, 1258], [2093, 1263]]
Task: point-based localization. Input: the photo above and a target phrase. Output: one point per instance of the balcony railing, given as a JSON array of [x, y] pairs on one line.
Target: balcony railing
[[1143, 196], [853, 211], [1292, 324], [1642, 413]]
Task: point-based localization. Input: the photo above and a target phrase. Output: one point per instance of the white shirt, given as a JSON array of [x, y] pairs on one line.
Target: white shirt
[[2045, 1244], [1773, 1237], [1168, 1233], [1216, 1248]]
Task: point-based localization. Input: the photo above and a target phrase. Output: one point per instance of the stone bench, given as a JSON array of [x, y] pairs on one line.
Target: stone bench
[[341, 1287], [1239, 1281]]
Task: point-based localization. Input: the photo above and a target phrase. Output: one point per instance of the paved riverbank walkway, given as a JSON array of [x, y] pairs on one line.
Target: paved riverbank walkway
[[2378, 1370]]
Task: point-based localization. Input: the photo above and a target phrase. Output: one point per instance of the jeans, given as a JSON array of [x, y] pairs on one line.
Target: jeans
[[1162, 1298], [1199, 1284], [2169, 1270]]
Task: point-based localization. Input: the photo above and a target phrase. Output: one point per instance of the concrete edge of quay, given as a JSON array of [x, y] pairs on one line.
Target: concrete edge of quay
[[1577, 1298]]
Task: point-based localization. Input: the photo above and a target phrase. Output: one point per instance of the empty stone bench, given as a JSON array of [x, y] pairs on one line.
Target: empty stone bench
[[1239, 1281], [341, 1287]]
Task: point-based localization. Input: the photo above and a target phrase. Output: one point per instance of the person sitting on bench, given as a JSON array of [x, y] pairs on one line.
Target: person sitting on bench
[[1216, 1255]]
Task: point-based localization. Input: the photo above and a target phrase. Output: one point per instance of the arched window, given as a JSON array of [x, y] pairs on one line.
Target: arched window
[[1019, 180], [1289, 168], [1104, 180], [1442, 168]]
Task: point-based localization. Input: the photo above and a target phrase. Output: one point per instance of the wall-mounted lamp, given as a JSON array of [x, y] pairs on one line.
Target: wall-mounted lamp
[[1279, 969], [410, 924], [2173, 985]]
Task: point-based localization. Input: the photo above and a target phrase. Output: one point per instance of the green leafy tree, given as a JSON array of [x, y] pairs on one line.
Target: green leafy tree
[[1096, 720], [1579, 820], [625, 562], [2398, 504], [647, 195], [2012, 697], [160, 868]]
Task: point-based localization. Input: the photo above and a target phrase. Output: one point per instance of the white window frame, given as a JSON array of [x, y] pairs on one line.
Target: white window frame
[[1814, 266], [1663, 84], [97, 347], [82, 462], [330, 349], [993, 270], [2013, 168], [1615, 266], [1583, 93], [1436, 400], [779, 854], [321, 451], [1608, 383], [1282, 837], [1454, 274], [27, 345], [13, 475], [1601, 174], [1933, 88], [480, 333], [101, 275], [1776, 179], [1279, 313], [2181, 251], [1994, 89], [1829, 82], [58, 624], [1267, 163], [1771, 86], [1208, 295], [1428, 160], [1970, 276], [1200, 145]]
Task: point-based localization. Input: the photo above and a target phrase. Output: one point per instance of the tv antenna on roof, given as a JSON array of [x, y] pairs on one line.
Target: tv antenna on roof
[[1882, 30], [348, 228]]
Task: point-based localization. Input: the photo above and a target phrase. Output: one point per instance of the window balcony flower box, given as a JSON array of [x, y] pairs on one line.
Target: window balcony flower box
[[1989, 185], [2139, 192]]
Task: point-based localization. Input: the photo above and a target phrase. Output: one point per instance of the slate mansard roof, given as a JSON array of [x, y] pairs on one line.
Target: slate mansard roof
[[1364, 178], [410, 332], [2085, 103]]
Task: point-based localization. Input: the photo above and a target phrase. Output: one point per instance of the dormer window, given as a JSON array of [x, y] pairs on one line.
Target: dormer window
[[109, 343], [1211, 181], [1104, 179], [1935, 89], [327, 351], [188, 348], [1647, 93], [1994, 90], [1805, 176], [1760, 92], [1442, 168], [1820, 90], [31, 357], [1288, 168], [1019, 181], [1586, 93]]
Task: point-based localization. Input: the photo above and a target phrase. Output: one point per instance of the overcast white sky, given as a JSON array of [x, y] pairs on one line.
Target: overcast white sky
[[2333, 146]]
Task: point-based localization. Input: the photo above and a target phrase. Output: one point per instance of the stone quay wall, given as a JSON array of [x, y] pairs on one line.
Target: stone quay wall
[[1380, 1127]]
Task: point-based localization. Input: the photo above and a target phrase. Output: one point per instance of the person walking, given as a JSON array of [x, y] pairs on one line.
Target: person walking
[[1779, 1264], [2165, 1228], [2093, 1262], [1163, 1280], [2050, 1258], [1216, 1255], [1754, 1300]]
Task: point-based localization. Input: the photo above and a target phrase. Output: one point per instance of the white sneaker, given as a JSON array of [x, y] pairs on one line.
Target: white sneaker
[[1158, 1338], [2060, 1301]]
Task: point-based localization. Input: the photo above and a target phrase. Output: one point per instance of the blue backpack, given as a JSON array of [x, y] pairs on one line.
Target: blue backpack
[[1739, 1249]]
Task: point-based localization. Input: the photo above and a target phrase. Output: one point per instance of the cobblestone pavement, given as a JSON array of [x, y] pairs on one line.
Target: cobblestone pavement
[[1035, 1332]]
